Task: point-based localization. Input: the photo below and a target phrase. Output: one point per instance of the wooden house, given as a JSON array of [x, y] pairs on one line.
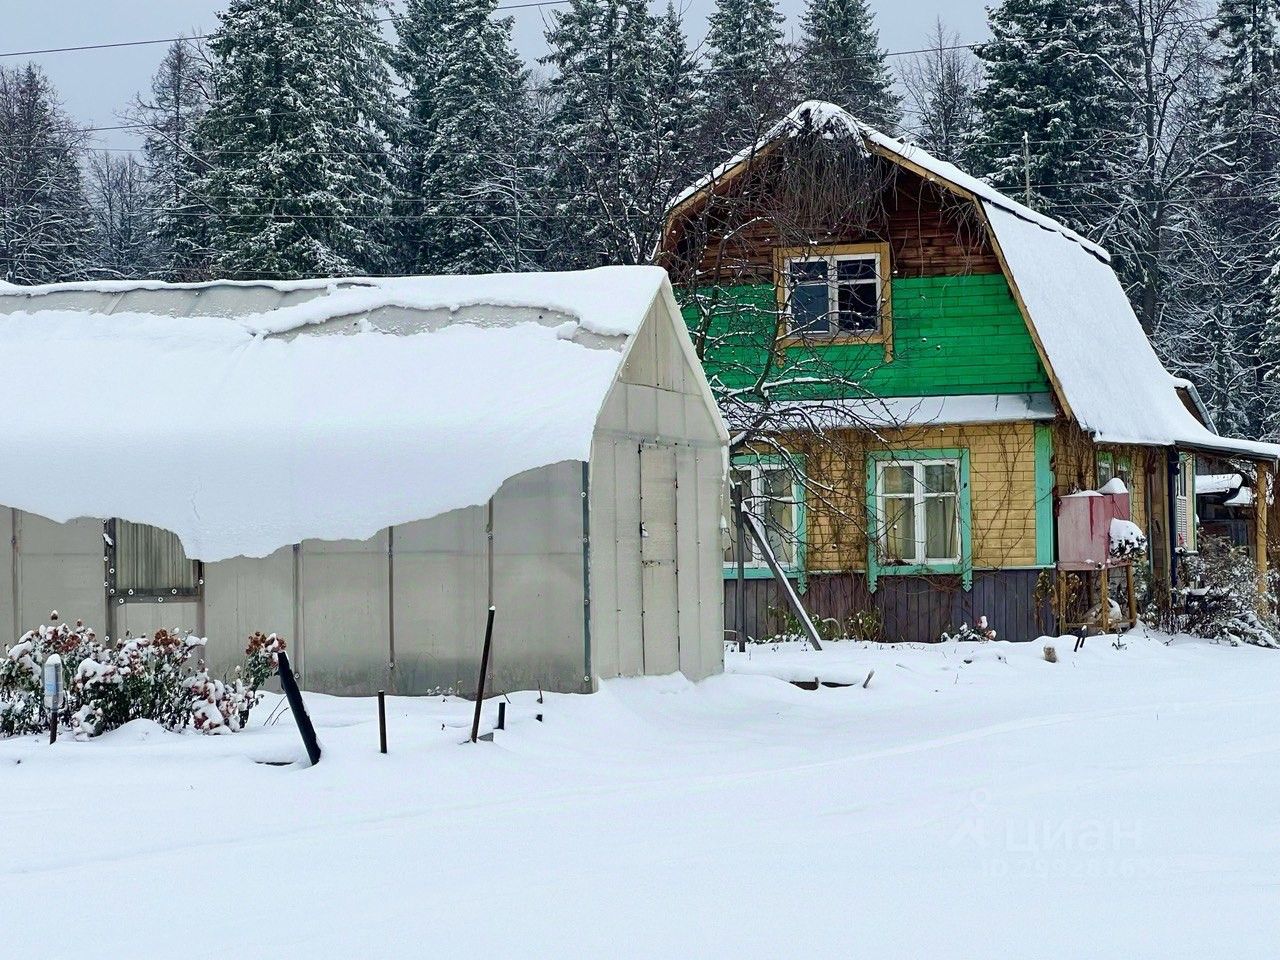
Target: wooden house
[[950, 363]]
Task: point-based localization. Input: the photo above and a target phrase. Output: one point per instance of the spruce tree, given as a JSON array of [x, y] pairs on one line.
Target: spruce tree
[[841, 61], [180, 92], [461, 149], [1246, 176], [296, 141], [603, 184], [677, 94], [747, 83], [44, 215], [1054, 74]]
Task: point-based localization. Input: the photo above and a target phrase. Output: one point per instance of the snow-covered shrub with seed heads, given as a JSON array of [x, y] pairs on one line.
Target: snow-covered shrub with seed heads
[[148, 677], [22, 667], [219, 706], [967, 634], [262, 658], [142, 677]]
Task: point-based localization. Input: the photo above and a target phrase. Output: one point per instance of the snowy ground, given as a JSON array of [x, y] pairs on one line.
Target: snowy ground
[[973, 801]]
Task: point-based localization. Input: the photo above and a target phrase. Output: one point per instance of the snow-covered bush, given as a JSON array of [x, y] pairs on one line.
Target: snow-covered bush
[[21, 669], [144, 677], [148, 677], [1127, 540], [1222, 599], [262, 658], [981, 631], [219, 706]]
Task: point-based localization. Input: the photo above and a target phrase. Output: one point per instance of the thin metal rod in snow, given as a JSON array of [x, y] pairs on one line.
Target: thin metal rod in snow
[[484, 671], [740, 591], [382, 721], [298, 709], [771, 561]]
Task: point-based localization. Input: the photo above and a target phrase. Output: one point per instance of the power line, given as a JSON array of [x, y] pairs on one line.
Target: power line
[[116, 45]]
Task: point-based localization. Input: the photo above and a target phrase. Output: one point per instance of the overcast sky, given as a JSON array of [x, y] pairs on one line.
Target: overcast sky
[[97, 84]]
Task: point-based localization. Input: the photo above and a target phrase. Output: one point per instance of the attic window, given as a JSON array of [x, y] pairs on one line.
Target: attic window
[[835, 293]]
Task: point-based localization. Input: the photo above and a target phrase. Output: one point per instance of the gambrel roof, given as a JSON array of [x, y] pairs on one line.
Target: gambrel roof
[[1105, 372]]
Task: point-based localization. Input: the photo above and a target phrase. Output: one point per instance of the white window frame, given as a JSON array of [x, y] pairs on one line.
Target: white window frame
[[920, 497], [756, 471], [835, 331]]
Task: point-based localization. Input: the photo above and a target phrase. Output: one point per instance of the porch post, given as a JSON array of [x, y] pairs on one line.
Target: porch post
[[1261, 490]]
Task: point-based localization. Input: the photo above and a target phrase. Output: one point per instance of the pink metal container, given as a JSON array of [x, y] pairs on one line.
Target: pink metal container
[[1084, 529]]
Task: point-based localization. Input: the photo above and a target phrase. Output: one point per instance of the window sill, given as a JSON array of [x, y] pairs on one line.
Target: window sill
[[948, 568], [833, 340]]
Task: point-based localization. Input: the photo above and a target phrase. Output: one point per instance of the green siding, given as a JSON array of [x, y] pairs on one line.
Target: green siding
[[951, 335], [1044, 494]]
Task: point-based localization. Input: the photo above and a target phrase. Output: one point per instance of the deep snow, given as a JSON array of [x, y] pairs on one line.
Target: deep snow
[[973, 801]]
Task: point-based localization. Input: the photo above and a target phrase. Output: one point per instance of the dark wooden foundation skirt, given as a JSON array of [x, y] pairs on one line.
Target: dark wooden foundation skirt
[[1016, 603]]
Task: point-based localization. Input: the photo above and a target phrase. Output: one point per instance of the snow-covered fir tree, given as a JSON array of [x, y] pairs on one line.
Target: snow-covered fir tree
[[462, 150], [1053, 74], [612, 171], [677, 94], [296, 140], [748, 81], [180, 93], [841, 61], [44, 215], [1246, 117]]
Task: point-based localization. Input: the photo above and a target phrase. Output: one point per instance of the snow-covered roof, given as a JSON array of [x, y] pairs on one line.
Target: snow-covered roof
[[1098, 355], [1211, 483], [1111, 378], [831, 120], [1242, 498], [927, 411], [201, 408]]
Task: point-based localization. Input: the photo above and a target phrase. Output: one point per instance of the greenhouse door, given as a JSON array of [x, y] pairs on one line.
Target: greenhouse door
[[659, 609]]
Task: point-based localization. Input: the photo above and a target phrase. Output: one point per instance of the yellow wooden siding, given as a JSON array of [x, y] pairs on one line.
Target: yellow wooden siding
[[1075, 466], [1002, 477]]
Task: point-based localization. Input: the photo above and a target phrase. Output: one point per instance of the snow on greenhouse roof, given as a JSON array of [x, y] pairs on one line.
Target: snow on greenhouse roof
[[201, 410]]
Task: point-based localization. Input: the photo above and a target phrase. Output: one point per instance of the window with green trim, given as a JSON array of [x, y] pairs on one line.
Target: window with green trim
[[775, 495], [918, 508]]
